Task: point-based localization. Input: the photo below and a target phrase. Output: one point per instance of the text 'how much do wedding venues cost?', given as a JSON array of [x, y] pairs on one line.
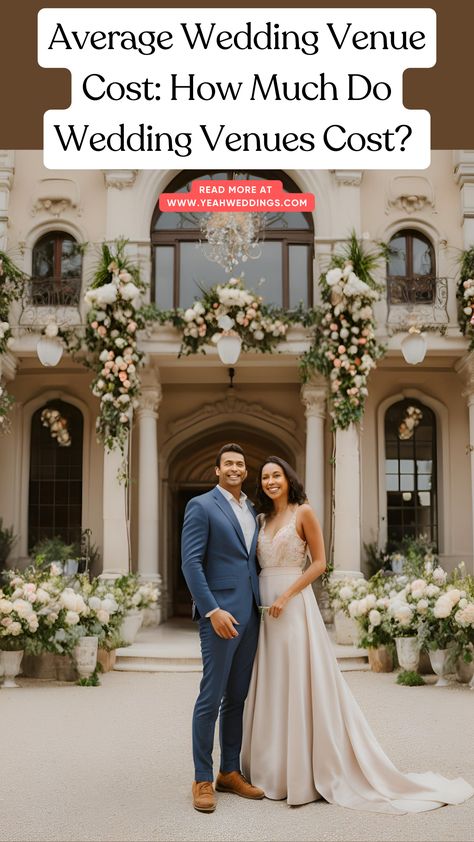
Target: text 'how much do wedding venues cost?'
[[309, 88]]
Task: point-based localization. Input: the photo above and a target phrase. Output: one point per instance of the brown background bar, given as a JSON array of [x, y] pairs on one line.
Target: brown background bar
[[27, 90]]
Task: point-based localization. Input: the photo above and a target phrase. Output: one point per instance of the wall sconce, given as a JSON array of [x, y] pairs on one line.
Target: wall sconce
[[414, 346]]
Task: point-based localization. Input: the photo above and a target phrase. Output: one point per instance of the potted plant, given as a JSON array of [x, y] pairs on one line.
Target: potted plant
[[375, 630]]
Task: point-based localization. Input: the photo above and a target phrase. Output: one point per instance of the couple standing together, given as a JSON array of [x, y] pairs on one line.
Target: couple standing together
[[302, 735]]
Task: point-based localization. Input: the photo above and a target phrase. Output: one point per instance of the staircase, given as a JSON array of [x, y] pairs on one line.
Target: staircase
[[174, 647]]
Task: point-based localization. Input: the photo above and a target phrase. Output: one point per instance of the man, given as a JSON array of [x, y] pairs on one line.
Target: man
[[218, 559]]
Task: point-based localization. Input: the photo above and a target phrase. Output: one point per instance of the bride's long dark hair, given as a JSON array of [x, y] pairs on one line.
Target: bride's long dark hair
[[296, 492]]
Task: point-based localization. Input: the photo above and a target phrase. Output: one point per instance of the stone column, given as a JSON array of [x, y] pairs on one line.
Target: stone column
[[313, 396], [115, 514], [347, 504], [148, 483], [7, 163]]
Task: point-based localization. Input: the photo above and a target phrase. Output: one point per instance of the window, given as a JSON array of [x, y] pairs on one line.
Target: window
[[411, 271], [410, 472], [56, 271], [55, 486], [180, 268]]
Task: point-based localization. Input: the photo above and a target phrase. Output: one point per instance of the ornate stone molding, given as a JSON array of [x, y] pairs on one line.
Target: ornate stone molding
[[150, 400], [410, 193], [120, 179], [352, 178], [314, 399], [232, 406], [55, 196]]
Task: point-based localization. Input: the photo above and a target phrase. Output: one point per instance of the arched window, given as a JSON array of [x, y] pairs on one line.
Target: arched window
[[410, 472], [411, 269], [56, 274], [180, 267], [55, 486]]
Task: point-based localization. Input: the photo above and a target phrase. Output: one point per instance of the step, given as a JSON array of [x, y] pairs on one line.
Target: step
[[174, 647]]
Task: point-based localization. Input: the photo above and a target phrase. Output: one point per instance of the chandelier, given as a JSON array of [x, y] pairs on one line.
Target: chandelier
[[232, 238]]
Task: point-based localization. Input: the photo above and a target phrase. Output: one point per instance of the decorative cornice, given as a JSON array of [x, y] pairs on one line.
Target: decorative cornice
[[120, 179], [232, 406], [352, 178], [410, 193]]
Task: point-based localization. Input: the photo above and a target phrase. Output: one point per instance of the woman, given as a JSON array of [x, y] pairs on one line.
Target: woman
[[305, 737]]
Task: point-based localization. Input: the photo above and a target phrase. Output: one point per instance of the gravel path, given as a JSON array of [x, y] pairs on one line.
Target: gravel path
[[114, 763]]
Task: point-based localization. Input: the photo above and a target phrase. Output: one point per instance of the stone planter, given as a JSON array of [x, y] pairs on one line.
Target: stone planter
[[441, 661], [106, 659], [464, 670], [10, 661], [380, 659], [408, 653], [130, 626], [324, 603], [85, 655], [50, 667], [346, 629]]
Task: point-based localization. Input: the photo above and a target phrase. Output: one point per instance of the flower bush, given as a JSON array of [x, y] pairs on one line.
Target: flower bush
[[115, 316], [465, 296], [12, 281], [344, 348], [344, 591], [133, 595], [225, 307]]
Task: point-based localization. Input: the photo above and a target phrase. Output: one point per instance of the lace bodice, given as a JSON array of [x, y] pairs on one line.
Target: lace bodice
[[285, 549]]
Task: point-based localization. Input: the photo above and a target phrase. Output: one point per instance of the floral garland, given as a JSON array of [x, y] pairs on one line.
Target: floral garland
[[225, 307], [12, 282], [57, 424], [344, 347], [465, 296], [110, 338]]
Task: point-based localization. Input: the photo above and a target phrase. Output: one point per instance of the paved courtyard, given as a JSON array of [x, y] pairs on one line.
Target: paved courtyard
[[114, 763]]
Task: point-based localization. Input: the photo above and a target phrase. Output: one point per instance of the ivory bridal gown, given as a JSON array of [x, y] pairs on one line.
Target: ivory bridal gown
[[305, 736]]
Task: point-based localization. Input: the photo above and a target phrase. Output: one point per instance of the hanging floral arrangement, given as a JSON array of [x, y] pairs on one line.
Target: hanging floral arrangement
[[344, 347], [465, 296], [58, 426], [12, 281], [411, 419], [114, 317], [229, 306]]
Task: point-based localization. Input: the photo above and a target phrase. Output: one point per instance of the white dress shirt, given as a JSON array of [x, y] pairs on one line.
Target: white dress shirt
[[245, 518]]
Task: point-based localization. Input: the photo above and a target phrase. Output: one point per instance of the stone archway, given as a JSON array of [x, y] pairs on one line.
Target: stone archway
[[191, 472]]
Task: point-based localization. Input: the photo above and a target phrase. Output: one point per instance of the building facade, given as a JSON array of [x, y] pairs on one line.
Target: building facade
[[383, 483]]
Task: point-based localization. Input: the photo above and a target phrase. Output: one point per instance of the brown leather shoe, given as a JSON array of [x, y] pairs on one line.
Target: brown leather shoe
[[204, 797], [236, 783]]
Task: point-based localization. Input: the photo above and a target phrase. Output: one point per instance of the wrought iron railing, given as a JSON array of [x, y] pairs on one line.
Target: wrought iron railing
[[50, 292], [428, 295]]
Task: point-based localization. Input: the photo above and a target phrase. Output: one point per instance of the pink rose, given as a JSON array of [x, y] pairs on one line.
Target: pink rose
[[102, 331], [95, 325], [122, 376], [337, 363]]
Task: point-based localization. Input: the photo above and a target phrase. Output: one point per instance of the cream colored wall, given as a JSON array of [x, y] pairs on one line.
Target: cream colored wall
[[454, 497]]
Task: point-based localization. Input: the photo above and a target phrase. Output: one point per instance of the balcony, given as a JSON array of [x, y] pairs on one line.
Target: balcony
[[423, 297], [51, 292]]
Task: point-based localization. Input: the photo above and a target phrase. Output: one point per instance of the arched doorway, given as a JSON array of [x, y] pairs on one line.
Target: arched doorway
[[191, 472]]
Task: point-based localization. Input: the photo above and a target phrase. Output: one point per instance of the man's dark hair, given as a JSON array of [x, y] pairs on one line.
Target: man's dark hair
[[229, 448], [296, 492]]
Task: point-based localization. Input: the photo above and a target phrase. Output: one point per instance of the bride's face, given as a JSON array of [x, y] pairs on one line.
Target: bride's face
[[274, 482]]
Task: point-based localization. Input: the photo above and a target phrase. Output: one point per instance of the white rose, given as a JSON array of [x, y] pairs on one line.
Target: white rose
[[422, 606], [95, 603], [71, 618], [371, 600], [189, 315], [442, 607], [346, 593], [14, 628], [354, 608], [375, 618], [22, 608], [103, 616], [6, 607]]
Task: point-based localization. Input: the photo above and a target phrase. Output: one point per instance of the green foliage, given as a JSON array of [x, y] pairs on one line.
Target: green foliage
[[92, 681], [375, 559], [410, 679], [7, 541], [53, 549]]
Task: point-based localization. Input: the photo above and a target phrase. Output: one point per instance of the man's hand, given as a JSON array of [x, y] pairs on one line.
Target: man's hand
[[223, 624]]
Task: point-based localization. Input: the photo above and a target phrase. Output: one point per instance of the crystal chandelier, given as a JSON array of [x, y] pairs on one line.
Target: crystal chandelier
[[232, 238]]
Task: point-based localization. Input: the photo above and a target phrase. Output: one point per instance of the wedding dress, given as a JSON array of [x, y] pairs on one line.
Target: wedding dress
[[305, 736]]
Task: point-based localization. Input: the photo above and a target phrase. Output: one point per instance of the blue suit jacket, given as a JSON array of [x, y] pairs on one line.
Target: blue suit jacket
[[215, 561]]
